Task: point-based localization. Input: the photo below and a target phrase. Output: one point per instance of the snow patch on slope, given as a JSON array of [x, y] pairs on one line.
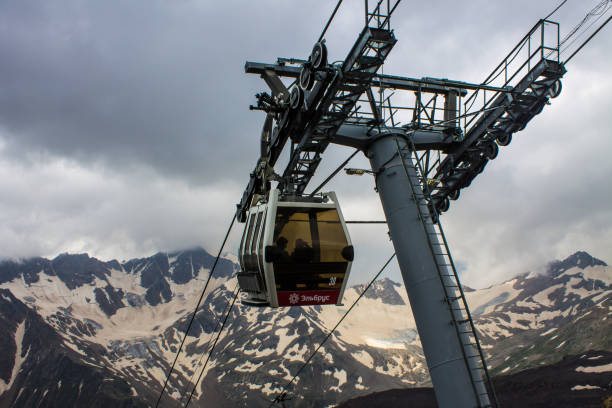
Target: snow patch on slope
[[364, 358], [19, 359], [382, 319], [485, 300], [585, 387], [599, 272], [542, 297], [385, 344], [595, 369], [341, 376]]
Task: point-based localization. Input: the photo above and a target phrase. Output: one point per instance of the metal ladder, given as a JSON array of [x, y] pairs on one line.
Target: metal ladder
[[453, 293]]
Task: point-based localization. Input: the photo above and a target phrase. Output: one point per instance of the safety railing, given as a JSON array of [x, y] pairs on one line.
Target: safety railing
[[380, 16], [540, 43]]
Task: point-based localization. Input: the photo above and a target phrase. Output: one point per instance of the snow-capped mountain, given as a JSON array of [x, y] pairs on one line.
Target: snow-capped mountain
[[38, 368], [125, 321], [124, 317], [533, 318]]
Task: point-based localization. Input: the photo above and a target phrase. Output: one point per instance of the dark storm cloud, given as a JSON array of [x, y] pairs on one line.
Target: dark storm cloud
[[162, 83], [159, 83]]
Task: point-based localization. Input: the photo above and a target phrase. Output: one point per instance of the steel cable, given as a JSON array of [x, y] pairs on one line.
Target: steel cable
[[581, 34], [599, 9], [236, 292], [588, 39], [331, 176], [283, 391], [212, 270], [555, 10], [218, 322], [329, 21]]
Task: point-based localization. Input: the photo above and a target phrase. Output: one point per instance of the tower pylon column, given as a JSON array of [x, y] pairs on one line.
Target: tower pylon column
[[412, 233]]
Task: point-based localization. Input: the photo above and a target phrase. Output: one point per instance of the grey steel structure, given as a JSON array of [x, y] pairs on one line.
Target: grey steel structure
[[455, 129]]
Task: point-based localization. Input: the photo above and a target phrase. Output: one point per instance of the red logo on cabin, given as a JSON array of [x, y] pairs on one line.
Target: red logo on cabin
[[308, 297]]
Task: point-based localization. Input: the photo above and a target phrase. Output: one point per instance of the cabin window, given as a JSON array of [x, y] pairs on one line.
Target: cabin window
[[312, 240], [332, 238], [261, 240], [317, 228], [252, 256], [246, 255]]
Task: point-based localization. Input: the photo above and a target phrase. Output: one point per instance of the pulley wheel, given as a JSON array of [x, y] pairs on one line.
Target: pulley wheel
[[444, 205], [504, 139], [539, 107], [454, 194], [516, 126], [555, 89], [490, 150], [307, 77], [480, 167], [296, 98], [266, 135], [466, 182], [318, 57]]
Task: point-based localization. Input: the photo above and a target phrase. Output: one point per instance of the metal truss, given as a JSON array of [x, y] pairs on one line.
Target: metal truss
[[323, 97], [454, 127]]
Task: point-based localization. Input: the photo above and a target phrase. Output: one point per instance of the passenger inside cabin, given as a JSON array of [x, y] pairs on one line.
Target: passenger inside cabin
[[303, 253], [281, 243]]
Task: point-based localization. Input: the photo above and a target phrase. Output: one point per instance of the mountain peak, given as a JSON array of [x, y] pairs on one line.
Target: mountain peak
[[156, 274], [584, 259], [579, 259], [80, 269], [385, 290]]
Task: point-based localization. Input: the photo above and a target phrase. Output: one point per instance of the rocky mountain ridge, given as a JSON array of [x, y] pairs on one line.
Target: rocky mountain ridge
[[128, 318], [39, 370]]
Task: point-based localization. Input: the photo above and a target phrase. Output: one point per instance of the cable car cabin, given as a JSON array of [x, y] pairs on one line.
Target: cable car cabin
[[295, 252]]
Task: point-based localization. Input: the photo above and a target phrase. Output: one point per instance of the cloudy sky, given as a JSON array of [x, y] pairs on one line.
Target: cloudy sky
[[125, 129]]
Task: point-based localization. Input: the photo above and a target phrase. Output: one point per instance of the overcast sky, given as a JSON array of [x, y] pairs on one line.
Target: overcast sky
[[125, 128]]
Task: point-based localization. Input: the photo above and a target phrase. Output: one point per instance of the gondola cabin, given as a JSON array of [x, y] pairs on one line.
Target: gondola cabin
[[295, 251]]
